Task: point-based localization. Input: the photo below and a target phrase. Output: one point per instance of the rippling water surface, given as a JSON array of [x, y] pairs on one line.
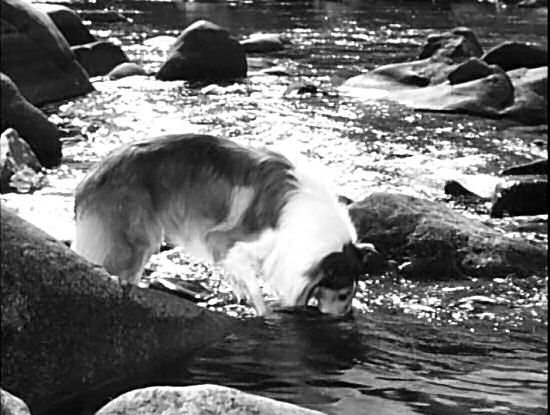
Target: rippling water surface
[[463, 347]]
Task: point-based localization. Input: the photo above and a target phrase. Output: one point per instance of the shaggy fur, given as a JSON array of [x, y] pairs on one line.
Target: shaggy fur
[[250, 210]]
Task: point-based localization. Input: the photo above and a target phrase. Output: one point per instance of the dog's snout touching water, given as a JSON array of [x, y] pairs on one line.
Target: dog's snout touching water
[[249, 210]]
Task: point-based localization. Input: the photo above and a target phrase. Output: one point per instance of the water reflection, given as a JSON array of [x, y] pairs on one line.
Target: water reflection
[[368, 362]]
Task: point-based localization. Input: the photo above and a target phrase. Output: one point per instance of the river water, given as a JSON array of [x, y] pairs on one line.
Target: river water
[[463, 347]]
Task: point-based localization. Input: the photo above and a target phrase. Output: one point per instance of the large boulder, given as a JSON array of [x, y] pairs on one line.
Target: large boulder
[[35, 128], [36, 56], [68, 22], [99, 58], [432, 241], [198, 400], [204, 52], [514, 55], [67, 325]]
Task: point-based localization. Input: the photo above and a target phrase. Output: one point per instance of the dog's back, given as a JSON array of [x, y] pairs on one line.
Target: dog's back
[[198, 191]]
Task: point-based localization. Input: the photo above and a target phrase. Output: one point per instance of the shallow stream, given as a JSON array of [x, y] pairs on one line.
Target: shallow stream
[[465, 347]]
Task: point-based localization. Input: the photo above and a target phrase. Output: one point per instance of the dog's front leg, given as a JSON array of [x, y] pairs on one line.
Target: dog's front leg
[[241, 265]]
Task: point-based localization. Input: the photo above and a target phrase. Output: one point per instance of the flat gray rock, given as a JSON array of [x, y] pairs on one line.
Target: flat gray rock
[[198, 400]]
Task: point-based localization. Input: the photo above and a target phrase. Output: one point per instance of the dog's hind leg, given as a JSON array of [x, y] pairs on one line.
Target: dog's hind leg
[[120, 233]]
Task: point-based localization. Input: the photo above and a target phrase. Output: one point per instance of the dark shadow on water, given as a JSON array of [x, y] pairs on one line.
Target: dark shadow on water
[[282, 354], [350, 365]]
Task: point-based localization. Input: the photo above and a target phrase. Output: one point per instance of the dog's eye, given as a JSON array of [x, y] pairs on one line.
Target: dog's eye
[[342, 297]]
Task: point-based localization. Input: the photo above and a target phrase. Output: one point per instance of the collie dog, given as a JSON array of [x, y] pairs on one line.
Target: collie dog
[[251, 211]]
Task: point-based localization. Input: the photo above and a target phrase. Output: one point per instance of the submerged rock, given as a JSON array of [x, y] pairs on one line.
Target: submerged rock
[[436, 242], [67, 326], [36, 56], [31, 123], [198, 400], [99, 58], [204, 52]]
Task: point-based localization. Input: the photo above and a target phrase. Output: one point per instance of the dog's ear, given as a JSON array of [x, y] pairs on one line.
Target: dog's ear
[[365, 247], [371, 259]]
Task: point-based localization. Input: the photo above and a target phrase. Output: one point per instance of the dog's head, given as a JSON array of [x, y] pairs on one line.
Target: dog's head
[[335, 280]]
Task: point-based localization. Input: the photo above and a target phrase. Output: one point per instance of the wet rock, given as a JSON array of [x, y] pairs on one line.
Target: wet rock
[[536, 167], [450, 77], [460, 43], [473, 68], [535, 79], [530, 104], [264, 43], [484, 97], [454, 188], [439, 243], [36, 56], [12, 405], [99, 58], [478, 187], [204, 52], [196, 400], [68, 22], [68, 326], [35, 128], [520, 197], [441, 55], [20, 170], [126, 69], [513, 55]]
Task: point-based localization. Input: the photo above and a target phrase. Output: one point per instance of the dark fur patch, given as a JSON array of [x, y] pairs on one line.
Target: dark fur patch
[[191, 165], [341, 269]]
